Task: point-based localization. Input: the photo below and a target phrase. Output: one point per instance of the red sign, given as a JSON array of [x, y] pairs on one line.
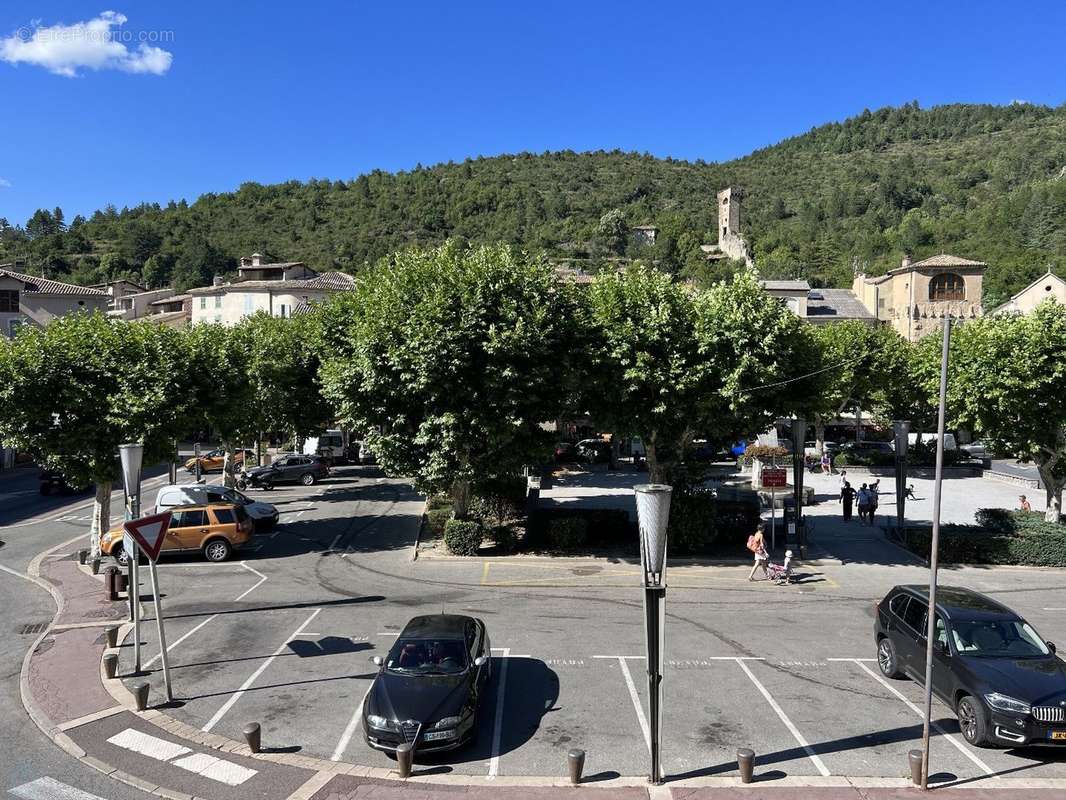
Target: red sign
[[774, 478], [149, 532]]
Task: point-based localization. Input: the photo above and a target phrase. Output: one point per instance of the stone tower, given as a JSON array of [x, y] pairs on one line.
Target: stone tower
[[730, 240]]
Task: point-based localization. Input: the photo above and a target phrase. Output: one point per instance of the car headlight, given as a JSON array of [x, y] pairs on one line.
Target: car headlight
[[1002, 702], [380, 723], [447, 722]]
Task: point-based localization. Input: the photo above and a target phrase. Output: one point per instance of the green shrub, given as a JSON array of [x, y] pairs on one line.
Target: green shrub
[[605, 527], [568, 533], [505, 538], [971, 544], [700, 522], [437, 518], [499, 499], [438, 501], [463, 536]]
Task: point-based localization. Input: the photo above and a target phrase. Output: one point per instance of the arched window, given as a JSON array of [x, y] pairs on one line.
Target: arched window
[[947, 286]]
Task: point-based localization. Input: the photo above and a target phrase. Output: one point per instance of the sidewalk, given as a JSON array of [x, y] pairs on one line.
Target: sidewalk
[[95, 720]]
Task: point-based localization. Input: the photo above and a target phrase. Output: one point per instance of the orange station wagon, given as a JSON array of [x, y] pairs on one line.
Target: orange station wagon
[[216, 530]]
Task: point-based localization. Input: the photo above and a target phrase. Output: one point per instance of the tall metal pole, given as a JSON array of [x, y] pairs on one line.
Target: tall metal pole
[[930, 629], [174, 465], [162, 636], [655, 636], [799, 462], [133, 511]]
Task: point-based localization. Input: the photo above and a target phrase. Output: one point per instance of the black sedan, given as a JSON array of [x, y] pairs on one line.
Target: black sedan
[[430, 685], [1004, 681]]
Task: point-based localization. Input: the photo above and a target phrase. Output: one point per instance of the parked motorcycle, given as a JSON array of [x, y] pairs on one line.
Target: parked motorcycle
[[258, 478]]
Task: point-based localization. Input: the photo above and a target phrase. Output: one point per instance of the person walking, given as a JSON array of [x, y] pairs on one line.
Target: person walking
[[1024, 504], [757, 545], [875, 492], [847, 497], [827, 463], [863, 500], [843, 478]]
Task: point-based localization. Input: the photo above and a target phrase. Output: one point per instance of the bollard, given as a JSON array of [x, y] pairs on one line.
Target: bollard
[[575, 759], [95, 566], [83, 556], [111, 584], [110, 665], [111, 636], [915, 759], [253, 736], [405, 756], [746, 763], [140, 694]]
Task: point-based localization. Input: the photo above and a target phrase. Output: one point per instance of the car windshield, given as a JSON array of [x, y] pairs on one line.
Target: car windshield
[[235, 497], [427, 657], [998, 638]]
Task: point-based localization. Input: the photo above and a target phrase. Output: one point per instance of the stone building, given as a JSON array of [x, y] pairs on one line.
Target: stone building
[[1047, 286], [915, 298], [731, 243], [31, 300], [643, 235]]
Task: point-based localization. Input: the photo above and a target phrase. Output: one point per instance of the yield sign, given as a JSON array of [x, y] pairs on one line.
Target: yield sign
[[148, 532]]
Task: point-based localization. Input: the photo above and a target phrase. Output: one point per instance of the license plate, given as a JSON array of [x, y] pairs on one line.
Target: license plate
[[1058, 736]]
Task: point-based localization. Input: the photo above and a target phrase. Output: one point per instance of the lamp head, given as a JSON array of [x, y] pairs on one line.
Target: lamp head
[[132, 454], [653, 517], [901, 427]]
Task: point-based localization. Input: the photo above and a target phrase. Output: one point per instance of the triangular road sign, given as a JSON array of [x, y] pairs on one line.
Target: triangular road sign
[[149, 532]]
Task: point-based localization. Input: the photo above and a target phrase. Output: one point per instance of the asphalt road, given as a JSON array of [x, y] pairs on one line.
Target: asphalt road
[[285, 636]]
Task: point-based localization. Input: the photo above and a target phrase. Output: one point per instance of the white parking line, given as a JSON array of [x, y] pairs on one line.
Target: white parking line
[[821, 767], [636, 700], [181, 639], [962, 748], [211, 723], [497, 730], [50, 789], [349, 729]]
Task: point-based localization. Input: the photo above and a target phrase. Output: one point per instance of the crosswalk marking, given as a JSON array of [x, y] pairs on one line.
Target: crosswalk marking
[[50, 789], [207, 766]]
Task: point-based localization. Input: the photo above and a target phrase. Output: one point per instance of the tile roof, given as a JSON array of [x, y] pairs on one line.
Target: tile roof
[[174, 298], [164, 317], [46, 286], [273, 265], [785, 286], [836, 304], [942, 260], [327, 281]]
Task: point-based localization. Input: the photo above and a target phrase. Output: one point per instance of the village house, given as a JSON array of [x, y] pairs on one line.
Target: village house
[[30, 300], [1048, 286]]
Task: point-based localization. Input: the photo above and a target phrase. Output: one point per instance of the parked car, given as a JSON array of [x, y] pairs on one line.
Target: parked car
[[215, 460], [292, 468], [976, 449], [1003, 680], [429, 688], [264, 515], [216, 530], [930, 439], [54, 482], [593, 451]]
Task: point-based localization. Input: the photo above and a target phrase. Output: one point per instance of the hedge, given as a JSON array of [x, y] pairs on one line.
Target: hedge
[[700, 522], [972, 544], [437, 518], [604, 527], [463, 537], [568, 533]]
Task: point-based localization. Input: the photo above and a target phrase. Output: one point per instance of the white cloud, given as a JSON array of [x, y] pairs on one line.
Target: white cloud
[[98, 43], [5, 183]]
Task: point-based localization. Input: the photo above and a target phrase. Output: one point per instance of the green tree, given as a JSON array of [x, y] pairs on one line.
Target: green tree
[[449, 359], [1008, 383], [613, 231], [72, 392]]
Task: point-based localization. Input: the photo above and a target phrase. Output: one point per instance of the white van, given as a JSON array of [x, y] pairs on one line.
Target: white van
[[930, 438], [264, 515], [330, 445]]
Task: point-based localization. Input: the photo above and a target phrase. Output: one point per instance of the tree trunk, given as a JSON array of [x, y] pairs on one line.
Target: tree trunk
[[101, 517], [1052, 487], [819, 434], [228, 479], [461, 499], [658, 471]]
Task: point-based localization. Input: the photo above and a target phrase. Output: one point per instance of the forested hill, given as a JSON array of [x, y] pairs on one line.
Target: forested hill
[[979, 181]]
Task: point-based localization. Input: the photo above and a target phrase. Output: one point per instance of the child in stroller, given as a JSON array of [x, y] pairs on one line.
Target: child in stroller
[[781, 573]]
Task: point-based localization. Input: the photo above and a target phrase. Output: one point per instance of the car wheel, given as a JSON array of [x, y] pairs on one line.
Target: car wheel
[[308, 479], [120, 557], [242, 485], [217, 550], [268, 487], [887, 659], [972, 722]]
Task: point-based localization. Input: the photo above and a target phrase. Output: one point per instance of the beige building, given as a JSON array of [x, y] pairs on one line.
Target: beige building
[[29, 300], [915, 298], [279, 289], [1047, 286], [137, 304]]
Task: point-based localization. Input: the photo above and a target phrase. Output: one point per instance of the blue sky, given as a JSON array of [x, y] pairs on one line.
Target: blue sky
[[227, 92]]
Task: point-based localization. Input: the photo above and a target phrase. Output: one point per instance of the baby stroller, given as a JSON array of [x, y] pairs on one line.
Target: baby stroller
[[781, 573]]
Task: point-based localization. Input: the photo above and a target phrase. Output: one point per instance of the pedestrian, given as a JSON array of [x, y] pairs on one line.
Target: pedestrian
[[1025, 505], [847, 497], [909, 494], [843, 478], [757, 545], [864, 504], [875, 492], [827, 463]]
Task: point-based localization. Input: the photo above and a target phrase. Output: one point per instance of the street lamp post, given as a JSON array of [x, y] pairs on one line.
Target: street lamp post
[[799, 461], [132, 455], [653, 515], [901, 428]]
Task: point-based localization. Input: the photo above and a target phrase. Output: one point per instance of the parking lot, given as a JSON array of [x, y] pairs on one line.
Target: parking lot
[[284, 637]]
